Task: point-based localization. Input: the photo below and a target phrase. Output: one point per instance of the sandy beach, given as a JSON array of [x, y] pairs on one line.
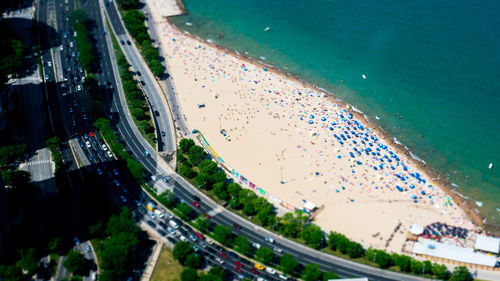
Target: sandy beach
[[278, 129]]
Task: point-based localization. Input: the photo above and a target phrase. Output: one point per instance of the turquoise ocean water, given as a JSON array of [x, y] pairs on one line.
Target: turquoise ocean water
[[432, 69]]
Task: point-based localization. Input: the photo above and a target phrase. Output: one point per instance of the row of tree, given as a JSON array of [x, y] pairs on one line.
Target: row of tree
[[78, 20], [135, 168], [136, 100], [12, 52], [135, 22], [206, 174]]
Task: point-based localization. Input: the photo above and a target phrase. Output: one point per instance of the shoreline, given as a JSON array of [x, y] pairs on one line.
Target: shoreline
[[467, 205]]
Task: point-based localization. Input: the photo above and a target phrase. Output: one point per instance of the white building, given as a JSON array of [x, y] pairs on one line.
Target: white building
[[487, 244]]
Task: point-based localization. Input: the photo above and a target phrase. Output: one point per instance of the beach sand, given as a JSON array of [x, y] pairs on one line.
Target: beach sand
[[271, 136]]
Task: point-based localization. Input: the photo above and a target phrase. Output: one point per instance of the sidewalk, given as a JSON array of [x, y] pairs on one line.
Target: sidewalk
[[148, 272]]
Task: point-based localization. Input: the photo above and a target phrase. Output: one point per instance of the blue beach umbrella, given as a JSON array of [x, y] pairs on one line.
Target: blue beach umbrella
[[311, 121], [323, 118]]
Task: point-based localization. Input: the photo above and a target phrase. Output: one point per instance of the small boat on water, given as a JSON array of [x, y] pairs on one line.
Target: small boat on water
[[189, 23], [364, 76], [490, 166], [267, 28]]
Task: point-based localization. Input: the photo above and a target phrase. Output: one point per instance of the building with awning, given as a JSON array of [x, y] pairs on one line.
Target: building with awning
[[487, 244], [449, 253]]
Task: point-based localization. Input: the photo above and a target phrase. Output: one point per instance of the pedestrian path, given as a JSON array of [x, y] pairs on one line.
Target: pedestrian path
[[36, 162]]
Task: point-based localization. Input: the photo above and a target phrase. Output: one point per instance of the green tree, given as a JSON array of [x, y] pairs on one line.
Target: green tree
[[243, 245], [461, 274], [248, 209], [184, 209], [220, 190], [16, 178], [329, 275], [98, 230], [402, 261], [74, 262], [312, 235], [28, 261], [12, 53], [311, 272], [189, 274], [202, 224], [11, 152], [234, 203], [186, 171], [381, 258], [416, 266], [167, 198], [11, 273], [192, 261], [185, 145], [55, 245], [223, 235], [265, 255], [53, 143], [440, 271], [355, 250], [182, 250], [234, 189], [196, 154], [288, 264], [266, 215]]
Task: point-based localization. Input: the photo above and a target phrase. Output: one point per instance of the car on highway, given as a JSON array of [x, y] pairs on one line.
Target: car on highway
[[110, 155], [99, 171], [91, 134], [71, 44], [192, 237], [219, 260], [269, 239], [207, 216], [152, 224], [283, 277], [88, 144], [115, 172], [124, 200], [223, 255], [122, 42], [104, 147], [196, 204], [199, 235], [233, 254], [237, 269], [61, 48], [77, 241], [137, 202], [238, 264], [237, 226], [172, 240], [87, 248], [146, 153], [73, 53], [157, 113], [47, 77], [128, 43], [256, 245], [65, 35], [278, 250], [163, 134], [203, 244], [70, 109], [196, 249], [171, 231], [78, 88], [259, 266], [169, 215], [183, 238], [254, 271], [270, 270], [84, 116], [162, 233], [49, 63]]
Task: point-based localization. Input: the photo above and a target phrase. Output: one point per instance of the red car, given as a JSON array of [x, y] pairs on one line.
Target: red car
[[223, 255], [91, 134], [199, 235], [237, 226], [238, 264], [207, 216], [237, 269], [196, 204], [254, 271]]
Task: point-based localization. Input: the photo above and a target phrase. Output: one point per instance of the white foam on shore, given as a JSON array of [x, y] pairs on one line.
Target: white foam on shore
[[498, 209], [355, 109], [459, 194], [454, 184], [396, 141], [417, 158], [479, 203], [210, 40], [189, 23], [376, 117]]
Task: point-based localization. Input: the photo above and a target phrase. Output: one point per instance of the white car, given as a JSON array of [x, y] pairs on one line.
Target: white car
[[71, 44], [110, 155], [182, 238], [219, 260], [104, 147], [61, 48], [269, 239], [78, 88], [278, 250], [49, 63], [88, 144], [256, 245], [270, 270]]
